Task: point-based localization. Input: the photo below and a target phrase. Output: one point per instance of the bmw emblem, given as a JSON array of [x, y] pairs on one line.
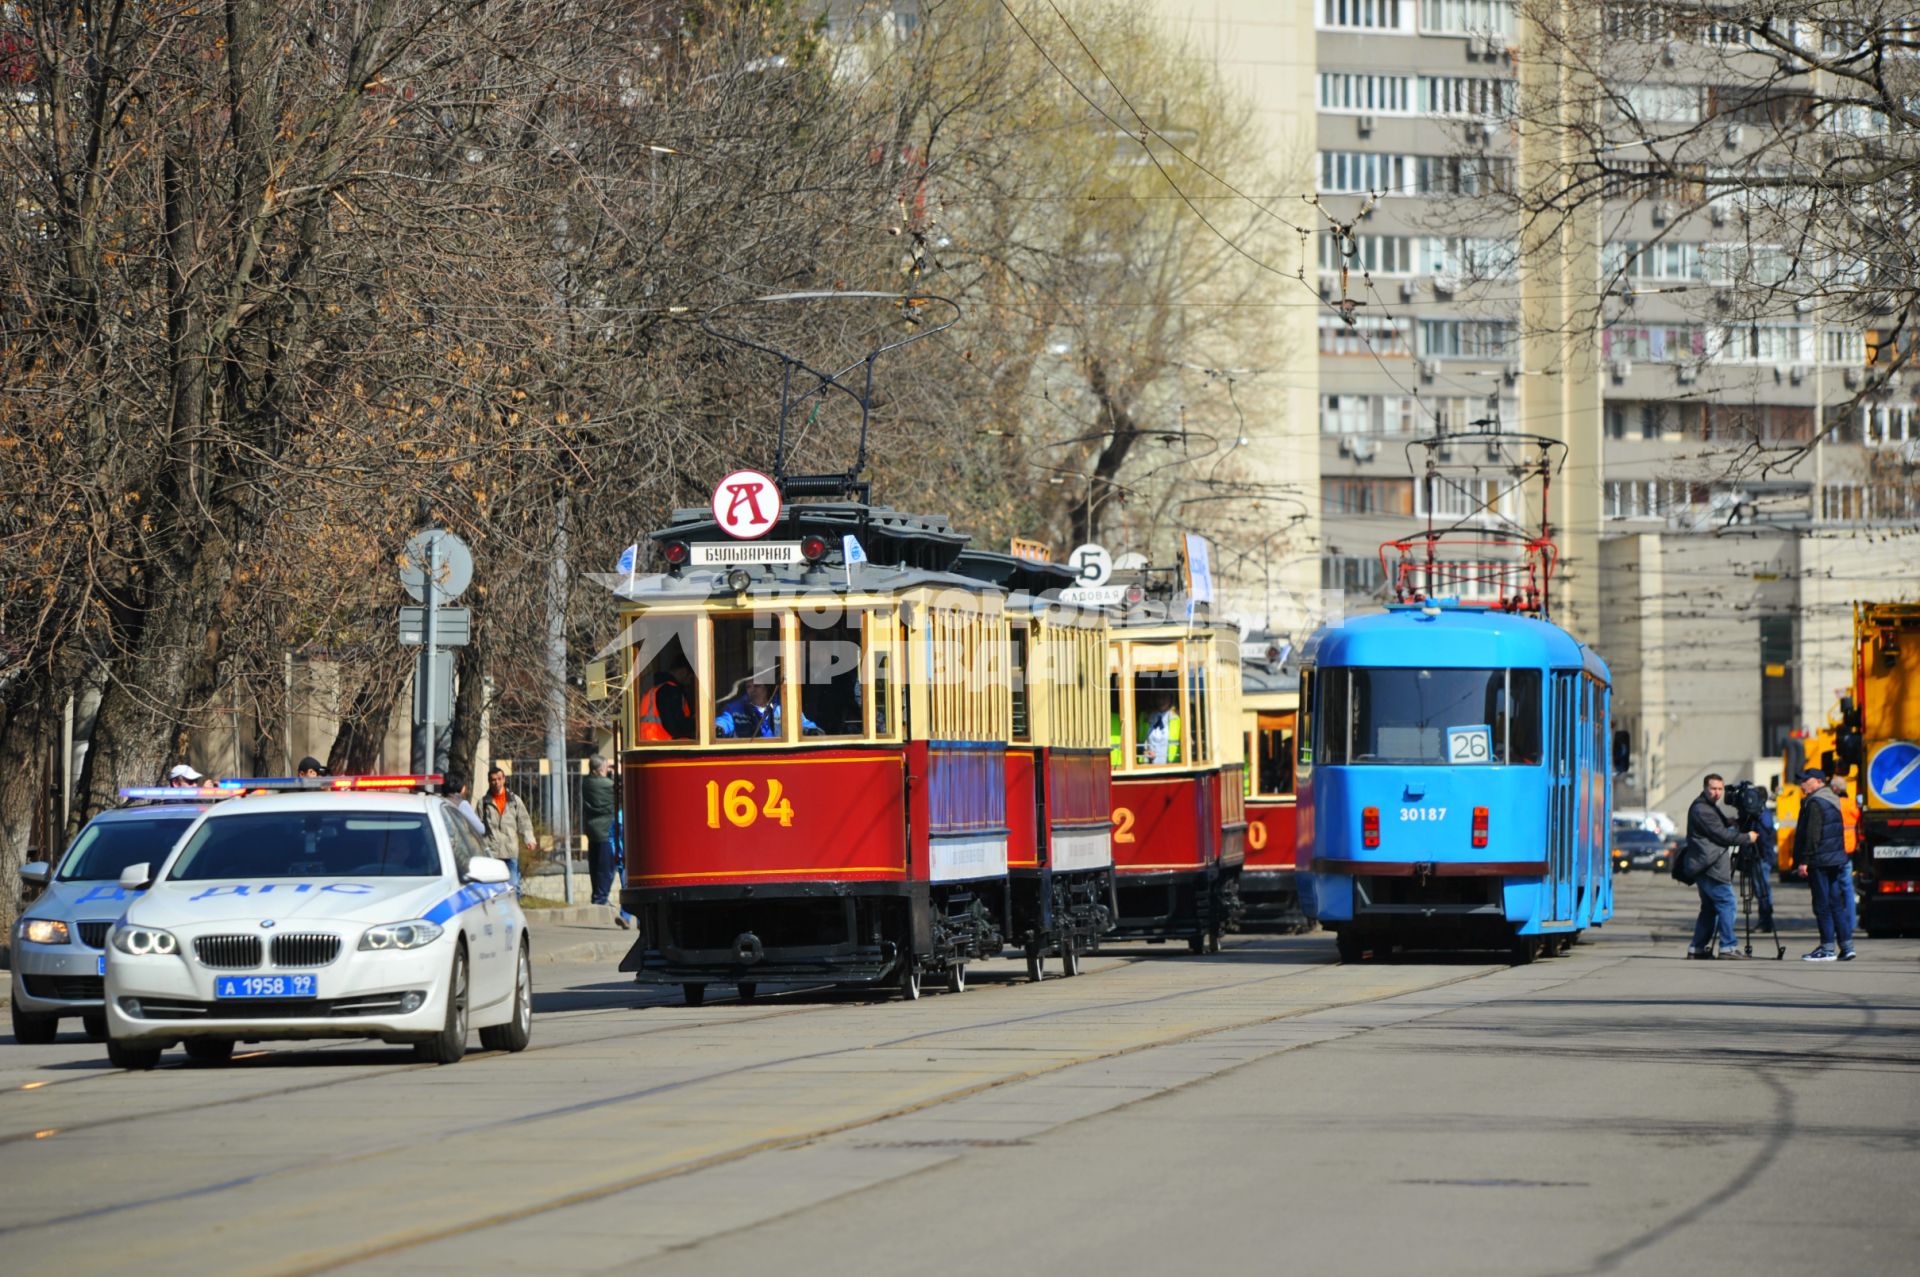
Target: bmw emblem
[[267, 925]]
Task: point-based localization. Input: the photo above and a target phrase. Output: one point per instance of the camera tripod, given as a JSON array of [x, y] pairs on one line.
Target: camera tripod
[[1747, 867]]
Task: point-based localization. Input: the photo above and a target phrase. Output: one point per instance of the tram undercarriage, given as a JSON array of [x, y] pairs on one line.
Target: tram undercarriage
[[1196, 907], [1270, 903], [1061, 915], [748, 936]]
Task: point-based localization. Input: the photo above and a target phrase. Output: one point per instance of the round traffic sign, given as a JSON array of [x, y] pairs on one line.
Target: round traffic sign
[[1094, 563], [452, 565], [1893, 776], [746, 504]]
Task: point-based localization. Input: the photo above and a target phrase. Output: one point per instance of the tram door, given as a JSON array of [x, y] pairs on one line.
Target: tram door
[[1563, 809]]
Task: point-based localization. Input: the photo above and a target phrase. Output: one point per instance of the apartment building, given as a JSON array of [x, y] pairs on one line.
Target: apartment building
[[1724, 581]]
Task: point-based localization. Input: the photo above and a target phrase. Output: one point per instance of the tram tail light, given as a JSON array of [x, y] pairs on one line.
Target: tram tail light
[[1899, 888], [1479, 826], [676, 552], [813, 549], [1370, 827]]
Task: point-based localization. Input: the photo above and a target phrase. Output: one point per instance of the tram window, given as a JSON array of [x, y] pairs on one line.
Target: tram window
[[1017, 680], [1304, 737], [1336, 722], [1273, 753], [1158, 726], [1199, 731], [1523, 735], [1421, 716], [748, 677], [830, 659], [663, 686], [882, 680]]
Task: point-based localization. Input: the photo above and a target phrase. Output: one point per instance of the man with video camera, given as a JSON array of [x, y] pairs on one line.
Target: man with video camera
[[1705, 862], [1820, 843]]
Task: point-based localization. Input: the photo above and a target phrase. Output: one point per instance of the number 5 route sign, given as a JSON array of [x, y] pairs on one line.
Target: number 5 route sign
[[746, 504]]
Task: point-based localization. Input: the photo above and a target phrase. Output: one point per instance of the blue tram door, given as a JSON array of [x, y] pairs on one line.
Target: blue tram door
[[1563, 808]]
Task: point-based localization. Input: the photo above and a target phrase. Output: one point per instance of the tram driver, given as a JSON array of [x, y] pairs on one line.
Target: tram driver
[[755, 711], [1159, 729]]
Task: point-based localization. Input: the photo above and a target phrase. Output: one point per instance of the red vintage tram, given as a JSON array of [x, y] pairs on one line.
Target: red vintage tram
[[867, 837], [1179, 818], [1270, 698]]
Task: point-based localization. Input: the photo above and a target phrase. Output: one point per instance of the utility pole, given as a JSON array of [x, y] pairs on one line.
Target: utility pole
[[557, 804]]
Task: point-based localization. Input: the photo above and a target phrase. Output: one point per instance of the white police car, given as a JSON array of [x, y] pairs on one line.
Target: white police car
[[60, 940], [350, 912]]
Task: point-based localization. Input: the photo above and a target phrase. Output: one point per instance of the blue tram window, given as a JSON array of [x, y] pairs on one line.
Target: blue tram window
[[1402, 716]]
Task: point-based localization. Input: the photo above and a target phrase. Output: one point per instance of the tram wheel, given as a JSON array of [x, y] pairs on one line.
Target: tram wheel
[[1036, 963], [909, 981], [1069, 959], [956, 977], [693, 994], [1523, 951], [747, 989], [1196, 944], [1350, 946], [1213, 940]]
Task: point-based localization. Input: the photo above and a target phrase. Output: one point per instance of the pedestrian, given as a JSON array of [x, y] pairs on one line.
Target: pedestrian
[[183, 776], [1820, 843], [1709, 836], [597, 804], [509, 828], [462, 803], [311, 768]]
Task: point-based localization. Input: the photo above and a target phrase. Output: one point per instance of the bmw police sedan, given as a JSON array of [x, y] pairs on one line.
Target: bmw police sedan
[[59, 944], [345, 913]]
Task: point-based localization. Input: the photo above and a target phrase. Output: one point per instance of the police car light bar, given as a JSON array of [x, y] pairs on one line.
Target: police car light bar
[[431, 780], [175, 794]]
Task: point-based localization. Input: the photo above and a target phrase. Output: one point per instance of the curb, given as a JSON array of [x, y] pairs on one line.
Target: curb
[[574, 915], [592, 951]]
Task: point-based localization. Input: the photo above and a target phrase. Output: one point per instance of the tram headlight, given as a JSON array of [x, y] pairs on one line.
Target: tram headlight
[[738, 579]]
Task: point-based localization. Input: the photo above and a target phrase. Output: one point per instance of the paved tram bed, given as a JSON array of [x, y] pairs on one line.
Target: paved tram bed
[[1618, 1109]]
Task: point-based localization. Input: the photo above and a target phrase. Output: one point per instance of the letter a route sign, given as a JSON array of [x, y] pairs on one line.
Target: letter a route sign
[[746, 504]]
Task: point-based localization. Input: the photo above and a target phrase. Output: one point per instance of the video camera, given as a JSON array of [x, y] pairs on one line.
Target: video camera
[[1749, 805]]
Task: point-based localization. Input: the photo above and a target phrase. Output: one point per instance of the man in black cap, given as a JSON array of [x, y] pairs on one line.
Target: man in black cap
[[310, 768], [1820, 843]]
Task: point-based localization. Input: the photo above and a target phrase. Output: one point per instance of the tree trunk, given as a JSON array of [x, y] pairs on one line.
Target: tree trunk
[[364, 722]]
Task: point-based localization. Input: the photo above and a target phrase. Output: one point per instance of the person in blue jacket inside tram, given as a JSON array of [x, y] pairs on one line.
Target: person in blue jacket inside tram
[[755, 712]]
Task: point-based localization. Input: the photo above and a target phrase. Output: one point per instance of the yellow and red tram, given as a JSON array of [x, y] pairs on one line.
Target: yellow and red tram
[[865, 839], [1179, 815], [1270, 706]]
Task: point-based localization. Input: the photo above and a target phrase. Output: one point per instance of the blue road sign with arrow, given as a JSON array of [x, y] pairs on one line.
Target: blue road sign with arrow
[[1894, 774]]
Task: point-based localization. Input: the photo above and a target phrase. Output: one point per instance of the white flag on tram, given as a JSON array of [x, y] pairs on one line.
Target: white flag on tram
[[851, 552], [627, 558]]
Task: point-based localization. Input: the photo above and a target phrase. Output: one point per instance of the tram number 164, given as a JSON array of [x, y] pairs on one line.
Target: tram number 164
[[739, 803]]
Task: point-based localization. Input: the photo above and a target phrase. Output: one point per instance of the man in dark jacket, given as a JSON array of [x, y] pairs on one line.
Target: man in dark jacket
[[596, 818], [1820, 843], [1709, 835]]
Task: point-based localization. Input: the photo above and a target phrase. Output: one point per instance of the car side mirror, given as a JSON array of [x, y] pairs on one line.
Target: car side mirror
[[487, 869], [36, 873], [137, 877]]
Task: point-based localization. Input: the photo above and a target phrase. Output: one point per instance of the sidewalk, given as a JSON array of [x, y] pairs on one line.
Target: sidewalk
[[581, 934]]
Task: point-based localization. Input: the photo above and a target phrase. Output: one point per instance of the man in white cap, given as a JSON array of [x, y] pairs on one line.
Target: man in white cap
[[184, 777]]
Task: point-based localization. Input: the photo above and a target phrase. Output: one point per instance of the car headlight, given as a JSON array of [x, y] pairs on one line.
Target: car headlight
[[400, 935], [44, 930], [141, 941]]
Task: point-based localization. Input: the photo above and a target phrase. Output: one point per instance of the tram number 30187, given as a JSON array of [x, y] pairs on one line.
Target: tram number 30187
[[1423, 813], [738, 802]]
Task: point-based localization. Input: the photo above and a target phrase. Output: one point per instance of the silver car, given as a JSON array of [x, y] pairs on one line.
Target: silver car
[[59, 958]]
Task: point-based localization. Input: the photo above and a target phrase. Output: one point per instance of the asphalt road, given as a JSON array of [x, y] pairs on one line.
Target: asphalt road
[[1613, 1110]]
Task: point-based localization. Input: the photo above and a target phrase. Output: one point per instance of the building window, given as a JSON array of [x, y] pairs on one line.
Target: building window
[[1468, 256], [1777, 711], [1653, 344], [1466, 17], [1467, 96], [1353, 93], [1352, 573], [1360, 172], [1367, 335], [1366, 15], [1487, 500], [1465, 338], [1369, 414], [1882, 424], [1366, 496], [1843, 347], [1665, 103], [1462, 174], [1764, 344], [1653, 498], [1843, 502], [1374, 254]]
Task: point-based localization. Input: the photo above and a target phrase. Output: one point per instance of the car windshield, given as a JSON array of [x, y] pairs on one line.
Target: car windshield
[[1431, 716], [105, 847], [1638, 838], [309, 844]]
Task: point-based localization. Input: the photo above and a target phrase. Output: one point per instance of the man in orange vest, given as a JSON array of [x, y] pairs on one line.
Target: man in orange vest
[[1849, 812], [666, 711]]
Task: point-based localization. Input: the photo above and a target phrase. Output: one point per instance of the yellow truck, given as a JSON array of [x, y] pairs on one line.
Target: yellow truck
[[1804, 749], [1879, 739]]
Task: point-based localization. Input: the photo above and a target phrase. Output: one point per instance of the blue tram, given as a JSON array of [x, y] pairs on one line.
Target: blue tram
[[1453, 782]]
